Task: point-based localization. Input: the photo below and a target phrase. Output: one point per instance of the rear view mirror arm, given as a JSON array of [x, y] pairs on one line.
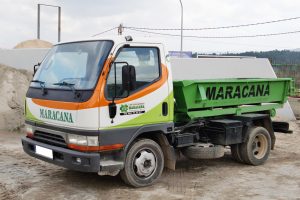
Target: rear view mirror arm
[[115, 77], [35, 68], [112, 106]]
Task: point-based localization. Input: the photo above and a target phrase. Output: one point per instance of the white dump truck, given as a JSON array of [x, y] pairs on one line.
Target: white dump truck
[[110, 106]]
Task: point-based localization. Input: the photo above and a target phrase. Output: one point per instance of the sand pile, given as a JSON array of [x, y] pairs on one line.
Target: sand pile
[[33, 44], [13, 87]]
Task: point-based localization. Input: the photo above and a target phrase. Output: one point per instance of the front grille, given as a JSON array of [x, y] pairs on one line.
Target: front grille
[[48, 138]]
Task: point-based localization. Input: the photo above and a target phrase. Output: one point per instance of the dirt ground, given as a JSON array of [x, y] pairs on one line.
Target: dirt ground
[[23, 177]]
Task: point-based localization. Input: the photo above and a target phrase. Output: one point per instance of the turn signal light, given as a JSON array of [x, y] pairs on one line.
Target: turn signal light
[[29, 131], [96, 148]]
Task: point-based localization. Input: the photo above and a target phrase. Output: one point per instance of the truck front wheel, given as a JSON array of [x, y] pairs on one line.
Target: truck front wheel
[[256, 149], [144, 163]]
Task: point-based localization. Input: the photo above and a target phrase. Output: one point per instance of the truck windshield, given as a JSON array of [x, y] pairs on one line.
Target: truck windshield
[[73, 64]]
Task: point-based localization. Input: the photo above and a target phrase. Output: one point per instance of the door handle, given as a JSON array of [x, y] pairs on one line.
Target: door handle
[[165, 108]]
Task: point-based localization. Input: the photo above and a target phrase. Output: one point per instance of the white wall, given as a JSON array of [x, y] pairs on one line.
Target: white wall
[[22, 58], [218, 68]]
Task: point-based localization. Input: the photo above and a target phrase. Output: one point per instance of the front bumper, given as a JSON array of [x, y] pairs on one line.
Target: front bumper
[[90, 162]]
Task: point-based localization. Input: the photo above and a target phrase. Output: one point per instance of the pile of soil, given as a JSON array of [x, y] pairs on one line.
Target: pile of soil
[[33, 44], [13, 86]]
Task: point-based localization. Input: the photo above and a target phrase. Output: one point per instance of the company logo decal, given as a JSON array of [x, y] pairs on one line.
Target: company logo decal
[[230, 92], [56, 115], [131, 109]]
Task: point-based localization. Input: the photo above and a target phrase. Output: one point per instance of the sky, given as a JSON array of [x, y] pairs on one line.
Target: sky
[[84, 18]]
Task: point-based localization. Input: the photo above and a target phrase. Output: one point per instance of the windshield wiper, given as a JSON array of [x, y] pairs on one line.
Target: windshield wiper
[[42, 84], [70, 85]]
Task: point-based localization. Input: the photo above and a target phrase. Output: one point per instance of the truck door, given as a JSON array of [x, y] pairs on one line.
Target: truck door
[[147, 100]]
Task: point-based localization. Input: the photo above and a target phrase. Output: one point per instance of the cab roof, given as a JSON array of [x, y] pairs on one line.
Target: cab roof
[[116, 39]]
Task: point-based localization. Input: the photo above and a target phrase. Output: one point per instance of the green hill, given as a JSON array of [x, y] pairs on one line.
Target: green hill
[[276, 57], [285, 63]]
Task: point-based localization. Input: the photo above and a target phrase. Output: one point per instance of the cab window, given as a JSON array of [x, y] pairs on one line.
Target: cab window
[[145, 63]]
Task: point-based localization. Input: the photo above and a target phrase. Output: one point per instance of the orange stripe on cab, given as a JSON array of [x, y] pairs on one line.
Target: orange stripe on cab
[[98, 98], [151, 88]]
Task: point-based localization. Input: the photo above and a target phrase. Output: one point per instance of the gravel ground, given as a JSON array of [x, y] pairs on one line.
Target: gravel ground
[[23, 177]]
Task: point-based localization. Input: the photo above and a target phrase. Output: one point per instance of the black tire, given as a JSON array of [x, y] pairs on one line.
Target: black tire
[[144, 163], [256, 149], [203, 151], [236, 152]]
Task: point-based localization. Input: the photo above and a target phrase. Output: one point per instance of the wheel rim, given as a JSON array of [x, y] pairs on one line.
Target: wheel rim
[[259, 146], [144, 163]]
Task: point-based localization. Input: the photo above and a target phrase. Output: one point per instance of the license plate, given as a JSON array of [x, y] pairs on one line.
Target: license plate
[[48, 153]]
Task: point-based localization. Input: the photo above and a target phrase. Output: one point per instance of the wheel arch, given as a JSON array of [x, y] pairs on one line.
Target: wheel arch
[[257, 119], [267, 124], [159, 136]]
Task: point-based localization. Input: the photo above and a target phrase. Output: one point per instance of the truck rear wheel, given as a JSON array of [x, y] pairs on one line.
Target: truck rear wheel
[[256, 149], [144, 163]]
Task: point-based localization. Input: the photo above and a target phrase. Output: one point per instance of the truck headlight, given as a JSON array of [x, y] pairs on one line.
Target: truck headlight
[[89, 144], [82, 140], [77, 139]]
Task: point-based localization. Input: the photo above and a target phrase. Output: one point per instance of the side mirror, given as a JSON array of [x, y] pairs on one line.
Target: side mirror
[[112, 108], [128, 84], [128, 78], [35, 68]]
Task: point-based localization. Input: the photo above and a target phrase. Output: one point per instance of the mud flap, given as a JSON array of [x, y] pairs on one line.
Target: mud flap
[[168, 151]]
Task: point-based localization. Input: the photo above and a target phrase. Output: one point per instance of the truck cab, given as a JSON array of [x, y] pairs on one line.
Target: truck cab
[[97, 96], [106, 105]]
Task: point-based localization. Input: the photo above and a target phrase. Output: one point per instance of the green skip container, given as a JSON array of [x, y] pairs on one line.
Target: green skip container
[[206, 98]]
